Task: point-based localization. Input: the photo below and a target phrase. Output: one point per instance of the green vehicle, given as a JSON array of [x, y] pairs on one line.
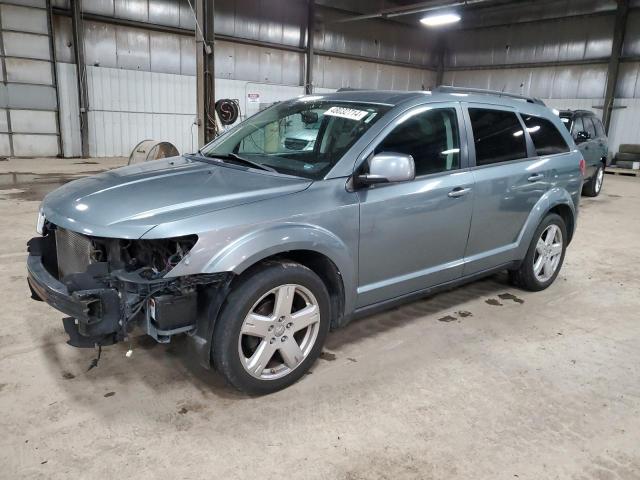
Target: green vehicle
[[588, 133]]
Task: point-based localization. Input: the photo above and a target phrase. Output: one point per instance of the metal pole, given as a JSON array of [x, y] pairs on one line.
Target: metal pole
[[441, 58], [311, 12], [205, 74], [209, 65], [200, 75], [614, 61], [77, 27]]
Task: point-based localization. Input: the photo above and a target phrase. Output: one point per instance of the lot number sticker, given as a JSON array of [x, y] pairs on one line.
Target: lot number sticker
[[350, 113]]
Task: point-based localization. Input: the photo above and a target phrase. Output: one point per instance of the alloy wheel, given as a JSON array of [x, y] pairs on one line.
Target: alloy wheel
[[599, 179], [279, 332], [548, 253]]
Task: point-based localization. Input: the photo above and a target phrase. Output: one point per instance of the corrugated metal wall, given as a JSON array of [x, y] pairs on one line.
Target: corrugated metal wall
[[28, 103], [142, 82], [520, 58]]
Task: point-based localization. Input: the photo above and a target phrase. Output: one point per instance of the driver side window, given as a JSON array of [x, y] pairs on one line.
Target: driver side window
[[431, 137]]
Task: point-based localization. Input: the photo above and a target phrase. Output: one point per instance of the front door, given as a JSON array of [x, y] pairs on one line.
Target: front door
[[413, 235]]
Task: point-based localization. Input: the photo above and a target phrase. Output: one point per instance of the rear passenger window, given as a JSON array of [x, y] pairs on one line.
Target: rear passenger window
[[546, 137], [498, 136], [599, 128], [578, 126], [589, 128], [430, 137]]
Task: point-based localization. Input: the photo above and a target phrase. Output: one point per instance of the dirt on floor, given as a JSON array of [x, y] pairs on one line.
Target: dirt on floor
[[482, 382]]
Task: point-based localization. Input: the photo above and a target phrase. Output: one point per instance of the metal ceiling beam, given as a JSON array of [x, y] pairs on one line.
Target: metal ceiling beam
[[466, 26], [505, 66], [244, 41], [614, 62], [420, 7]]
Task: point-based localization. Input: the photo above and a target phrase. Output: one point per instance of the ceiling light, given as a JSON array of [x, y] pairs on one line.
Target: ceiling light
[[440, 19]]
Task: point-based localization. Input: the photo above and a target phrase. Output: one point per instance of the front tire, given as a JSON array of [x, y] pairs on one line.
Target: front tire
[[594, 187], [544, 257], [272, 327]]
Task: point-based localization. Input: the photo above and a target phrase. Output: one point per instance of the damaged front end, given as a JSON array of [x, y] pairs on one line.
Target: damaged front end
[[110, 286]]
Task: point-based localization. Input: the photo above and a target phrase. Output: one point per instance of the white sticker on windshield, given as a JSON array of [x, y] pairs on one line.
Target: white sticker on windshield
[[350, 113]]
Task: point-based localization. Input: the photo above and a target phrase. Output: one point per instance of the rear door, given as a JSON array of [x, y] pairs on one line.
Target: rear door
[[602, 142], [510, 177], [592, 148]]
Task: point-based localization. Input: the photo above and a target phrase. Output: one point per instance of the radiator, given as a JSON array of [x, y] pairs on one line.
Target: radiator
[[73, 250]]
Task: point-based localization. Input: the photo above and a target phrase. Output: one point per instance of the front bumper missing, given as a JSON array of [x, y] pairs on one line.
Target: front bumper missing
[[94, 314], [103, 306]]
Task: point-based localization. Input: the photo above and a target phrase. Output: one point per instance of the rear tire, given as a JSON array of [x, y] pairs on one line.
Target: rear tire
[[594, 186], [545, 255], [271, 328]]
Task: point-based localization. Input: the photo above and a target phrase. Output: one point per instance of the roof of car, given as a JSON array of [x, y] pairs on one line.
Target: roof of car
[[393, 98]]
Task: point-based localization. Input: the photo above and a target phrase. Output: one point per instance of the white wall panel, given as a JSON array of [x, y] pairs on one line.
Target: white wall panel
[[28, 71], [5, 145], [625, 123], [33, 121], [69, 110], [24, 19], [35, 145], [127, 106], [4, 125], [17, 44]]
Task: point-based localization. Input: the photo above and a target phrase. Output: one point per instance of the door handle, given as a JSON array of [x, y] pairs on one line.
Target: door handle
[[535, 177], [458, 192]]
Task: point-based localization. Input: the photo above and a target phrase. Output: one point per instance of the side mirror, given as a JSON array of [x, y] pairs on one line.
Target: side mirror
[[582, 137], [388, 167]]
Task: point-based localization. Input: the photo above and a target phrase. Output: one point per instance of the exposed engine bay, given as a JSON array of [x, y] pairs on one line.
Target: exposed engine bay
[[112, 286]]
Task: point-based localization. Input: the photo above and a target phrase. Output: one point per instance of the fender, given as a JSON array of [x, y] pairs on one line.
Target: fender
[[260, 244], [552, 198]]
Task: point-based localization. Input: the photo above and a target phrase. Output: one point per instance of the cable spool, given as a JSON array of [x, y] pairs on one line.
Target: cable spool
[[148, 150], [228, 111]]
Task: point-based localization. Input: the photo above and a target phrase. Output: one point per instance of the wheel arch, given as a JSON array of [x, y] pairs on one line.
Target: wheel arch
[[314, 247], [318, 263], [566, 213]]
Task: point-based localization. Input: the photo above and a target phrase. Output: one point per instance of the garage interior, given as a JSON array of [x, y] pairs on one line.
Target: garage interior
[[484, 381]]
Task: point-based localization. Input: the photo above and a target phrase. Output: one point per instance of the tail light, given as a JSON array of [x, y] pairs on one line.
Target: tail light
[[583, 166]]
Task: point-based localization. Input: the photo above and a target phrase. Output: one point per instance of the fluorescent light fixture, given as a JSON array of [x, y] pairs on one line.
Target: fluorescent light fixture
[[440, 19]]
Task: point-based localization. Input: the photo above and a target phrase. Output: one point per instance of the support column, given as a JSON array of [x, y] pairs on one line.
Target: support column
[[614, 61], [308, 81], [77, 27], [205, 72]]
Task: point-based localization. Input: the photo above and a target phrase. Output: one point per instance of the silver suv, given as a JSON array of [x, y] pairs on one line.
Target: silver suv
[[256, 250]]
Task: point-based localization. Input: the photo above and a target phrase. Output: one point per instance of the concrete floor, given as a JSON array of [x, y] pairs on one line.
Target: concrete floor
[[469, 384]]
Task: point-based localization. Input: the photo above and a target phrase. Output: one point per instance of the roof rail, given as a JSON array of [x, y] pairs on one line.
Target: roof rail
[[482, 91]]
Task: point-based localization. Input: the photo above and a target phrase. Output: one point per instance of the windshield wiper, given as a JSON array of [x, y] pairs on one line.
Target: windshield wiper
[[237, 158]]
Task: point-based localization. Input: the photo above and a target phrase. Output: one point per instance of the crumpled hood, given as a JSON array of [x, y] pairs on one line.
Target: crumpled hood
[[128, 201]]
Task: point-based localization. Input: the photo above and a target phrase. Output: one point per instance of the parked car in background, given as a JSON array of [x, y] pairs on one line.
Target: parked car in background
[[588, 133], [256, 249]]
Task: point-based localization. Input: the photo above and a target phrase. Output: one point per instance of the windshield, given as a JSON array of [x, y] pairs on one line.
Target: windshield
[[304, 137]]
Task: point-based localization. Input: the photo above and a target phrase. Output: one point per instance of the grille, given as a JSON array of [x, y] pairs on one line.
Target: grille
[[73, 250]]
